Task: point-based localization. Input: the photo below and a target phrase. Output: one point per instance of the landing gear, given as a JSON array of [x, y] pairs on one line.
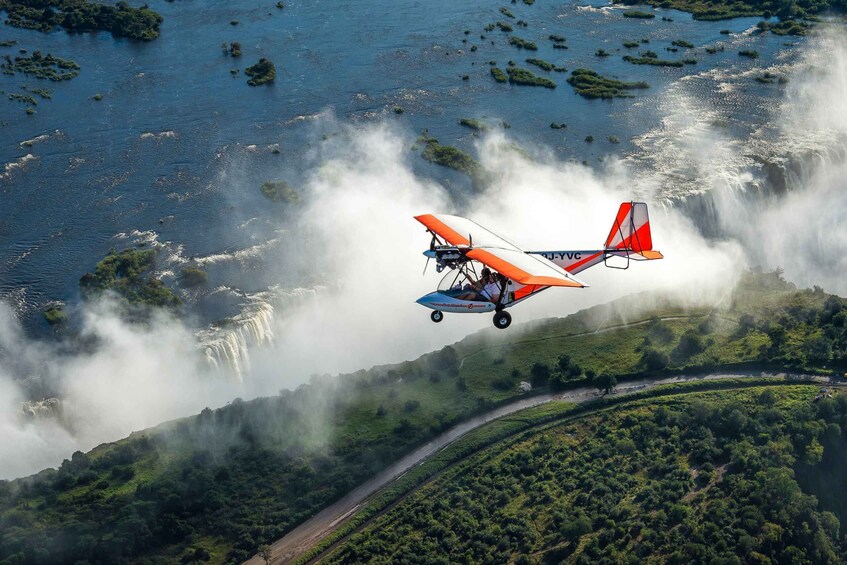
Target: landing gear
[[502, 320], [436, 316]]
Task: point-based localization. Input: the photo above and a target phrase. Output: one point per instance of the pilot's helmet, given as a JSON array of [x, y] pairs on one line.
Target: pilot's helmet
[[486, 272]]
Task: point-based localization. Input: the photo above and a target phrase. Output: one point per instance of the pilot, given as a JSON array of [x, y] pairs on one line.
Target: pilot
[[475, 290]]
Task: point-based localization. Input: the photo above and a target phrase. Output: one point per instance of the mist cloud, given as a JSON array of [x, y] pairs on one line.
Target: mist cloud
[[356, 239]]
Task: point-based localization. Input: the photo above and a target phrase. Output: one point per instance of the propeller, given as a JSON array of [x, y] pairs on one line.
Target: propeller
[[429, 254]]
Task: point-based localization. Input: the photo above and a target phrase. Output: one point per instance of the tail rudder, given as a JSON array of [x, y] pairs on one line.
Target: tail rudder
[[631, 232]]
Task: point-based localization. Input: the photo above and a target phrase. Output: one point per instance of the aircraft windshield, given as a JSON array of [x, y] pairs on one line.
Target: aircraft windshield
[[457, 279]]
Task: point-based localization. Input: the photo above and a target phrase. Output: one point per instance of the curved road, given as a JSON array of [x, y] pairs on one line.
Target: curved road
[[300, 539]]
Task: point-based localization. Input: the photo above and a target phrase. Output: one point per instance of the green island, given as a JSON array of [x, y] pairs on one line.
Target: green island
[[127, 275], [526, 78], [785, 27], [504, 26], [749, 53], [638, 14], [682, 43], [41, 66], [473, 124], [263, 72], [42, 92], [651, 58], [192, 276], [590, 84], [280, 191], [55, 315], [727, 9], [542, 64], [507, 13], [25, 98], [499, 75], [450, 157], [82, 16], [623, 477], [631, 44], [522, 43]]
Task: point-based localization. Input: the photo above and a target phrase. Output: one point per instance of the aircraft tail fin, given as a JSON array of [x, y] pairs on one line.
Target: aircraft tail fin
[[630, 234]]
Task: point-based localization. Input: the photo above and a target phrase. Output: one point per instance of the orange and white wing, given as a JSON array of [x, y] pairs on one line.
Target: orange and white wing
[[456, 230], [497, 252]]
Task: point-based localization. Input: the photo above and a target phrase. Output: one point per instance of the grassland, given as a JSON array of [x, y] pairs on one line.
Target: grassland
[[224, 482]]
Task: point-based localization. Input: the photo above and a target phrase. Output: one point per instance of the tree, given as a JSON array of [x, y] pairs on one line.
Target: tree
[[265, 553], [605, 383], [540, 373]]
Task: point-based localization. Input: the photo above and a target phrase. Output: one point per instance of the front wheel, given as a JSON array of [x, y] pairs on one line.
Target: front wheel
[[436, 316], [502, 320]]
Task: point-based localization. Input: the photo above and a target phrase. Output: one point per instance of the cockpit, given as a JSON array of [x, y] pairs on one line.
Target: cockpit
[[464, 282]]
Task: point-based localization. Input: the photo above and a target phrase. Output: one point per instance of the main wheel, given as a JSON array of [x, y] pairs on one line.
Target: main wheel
[[502, 320], [436, 316]]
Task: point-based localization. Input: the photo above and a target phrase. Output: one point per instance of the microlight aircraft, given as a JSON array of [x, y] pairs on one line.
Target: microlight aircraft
[[488, 273]]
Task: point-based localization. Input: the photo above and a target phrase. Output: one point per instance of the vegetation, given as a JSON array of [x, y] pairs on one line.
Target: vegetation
[[41, 66], [499, 75], [650, 58], [507, 13], [726, 9], [81, 16], [221, 484], [474, 124], [554, 125], [504, 27], [525, 77], [55, 315], [541, 64], [556, 38], [602, 53], [127, 275], [682, 43], [613, 139], [25, 98], [785, 27], [263, 72], [280, 191], [192, 276], [749, 53], [704, 477], [450, 157], [234, 49], [42, 92], [638, 14], [522, 43], [631, 44], [591, 85]]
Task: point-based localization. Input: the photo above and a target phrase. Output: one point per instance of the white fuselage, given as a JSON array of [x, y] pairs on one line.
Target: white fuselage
[[444, 303]]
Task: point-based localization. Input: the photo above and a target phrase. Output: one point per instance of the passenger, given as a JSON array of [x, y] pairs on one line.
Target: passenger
[[492, 288]]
